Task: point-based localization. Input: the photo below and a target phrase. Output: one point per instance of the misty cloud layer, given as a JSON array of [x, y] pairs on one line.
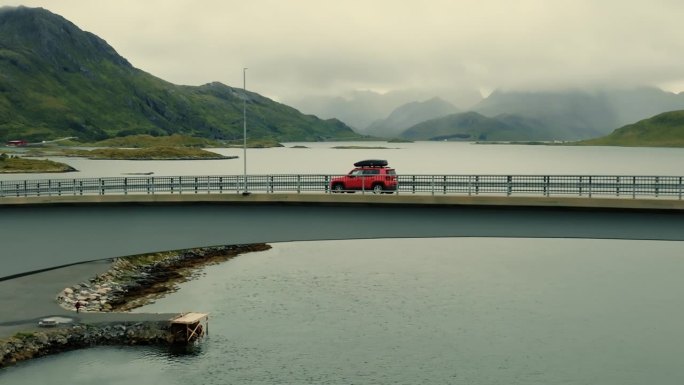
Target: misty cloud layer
[[299, 48]]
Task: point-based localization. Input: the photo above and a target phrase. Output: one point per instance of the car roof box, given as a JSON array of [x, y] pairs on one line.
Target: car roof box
[[371, 163]]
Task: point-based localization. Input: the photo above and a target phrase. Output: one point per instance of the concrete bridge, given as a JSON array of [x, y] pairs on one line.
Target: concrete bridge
[[40, 233]]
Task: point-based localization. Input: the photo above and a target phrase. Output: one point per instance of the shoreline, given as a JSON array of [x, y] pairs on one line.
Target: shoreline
[[127, 283], [132, 282]]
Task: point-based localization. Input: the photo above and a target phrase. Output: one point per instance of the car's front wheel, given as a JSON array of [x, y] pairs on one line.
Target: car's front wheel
[[378, 189]]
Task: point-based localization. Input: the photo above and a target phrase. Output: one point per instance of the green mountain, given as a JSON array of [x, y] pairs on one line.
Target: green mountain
[[474, 126], [57, 80], [662, 130]]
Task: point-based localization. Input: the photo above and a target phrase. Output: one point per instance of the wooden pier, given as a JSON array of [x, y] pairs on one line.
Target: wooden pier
[[189, 327]]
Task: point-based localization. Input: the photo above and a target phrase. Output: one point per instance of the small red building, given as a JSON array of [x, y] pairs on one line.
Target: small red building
[[17, 143]]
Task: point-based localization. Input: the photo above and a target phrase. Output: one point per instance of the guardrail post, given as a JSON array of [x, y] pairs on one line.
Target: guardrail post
[[509, 188], [147, 185], [477, 185], [16, 189], [2, 190], [38, 189], [25, 189], [125, 186], [80, 187], [59, 189], [444, 181], [680, 188], [220, 185], [590, 186], [617, 188], [657, 186], [49, 187], [432, 184], [546, 186], [195, 186], [633, 187], [102, 189], [73, 186], [326, 179], [180, 185], [299, 183], [413, 185], [269, 188]]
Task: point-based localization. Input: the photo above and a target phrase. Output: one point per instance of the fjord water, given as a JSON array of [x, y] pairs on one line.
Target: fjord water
[[415, 311], [407, 158], [408, 311]]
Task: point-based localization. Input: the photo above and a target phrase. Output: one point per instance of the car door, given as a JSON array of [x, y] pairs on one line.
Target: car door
[[354, 180]]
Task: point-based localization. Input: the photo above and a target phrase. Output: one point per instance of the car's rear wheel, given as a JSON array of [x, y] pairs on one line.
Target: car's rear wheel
[[337, 188], [378, 188]]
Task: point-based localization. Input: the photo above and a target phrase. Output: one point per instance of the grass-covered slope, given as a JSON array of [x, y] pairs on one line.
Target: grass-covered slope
[[57, 80], [662, 130]]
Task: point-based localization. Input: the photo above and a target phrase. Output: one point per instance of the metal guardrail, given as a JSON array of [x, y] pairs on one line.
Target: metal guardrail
[[669, 187]]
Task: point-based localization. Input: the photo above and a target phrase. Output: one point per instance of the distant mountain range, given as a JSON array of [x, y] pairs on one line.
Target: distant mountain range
[[576, 114], [409, 115], [473, 126], [57, 80], [561, 115], [361, 109], [662, 130]]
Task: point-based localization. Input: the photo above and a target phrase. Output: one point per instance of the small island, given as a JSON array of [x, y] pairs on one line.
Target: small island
[[10, 164], [147, 153], [360, 148]]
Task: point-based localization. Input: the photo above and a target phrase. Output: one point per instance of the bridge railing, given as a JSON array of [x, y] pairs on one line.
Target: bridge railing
[[669, 187]]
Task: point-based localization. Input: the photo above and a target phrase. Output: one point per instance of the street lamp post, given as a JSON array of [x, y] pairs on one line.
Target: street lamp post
[[244, 126]]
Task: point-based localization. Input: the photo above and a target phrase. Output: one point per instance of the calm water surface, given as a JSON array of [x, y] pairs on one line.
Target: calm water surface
[[407, 158], [414, 311]]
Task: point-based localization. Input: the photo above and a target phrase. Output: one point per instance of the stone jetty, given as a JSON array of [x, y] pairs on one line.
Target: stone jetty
[[24, 346], [129, 282]]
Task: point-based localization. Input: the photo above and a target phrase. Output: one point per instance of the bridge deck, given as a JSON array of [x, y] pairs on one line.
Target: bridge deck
[[46, 232], [357, 199]]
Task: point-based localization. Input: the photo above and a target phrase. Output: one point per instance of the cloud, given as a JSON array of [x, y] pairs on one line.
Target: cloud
[[299, 47]]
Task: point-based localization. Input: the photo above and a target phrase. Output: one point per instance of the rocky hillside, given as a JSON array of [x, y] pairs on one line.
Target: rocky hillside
[[57, 80]]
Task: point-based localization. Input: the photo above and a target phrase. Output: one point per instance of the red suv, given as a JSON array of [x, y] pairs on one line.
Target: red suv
[[368, 175]]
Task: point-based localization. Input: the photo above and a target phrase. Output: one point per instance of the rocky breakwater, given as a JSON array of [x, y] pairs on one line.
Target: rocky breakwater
[[24, 346], [135, 281]]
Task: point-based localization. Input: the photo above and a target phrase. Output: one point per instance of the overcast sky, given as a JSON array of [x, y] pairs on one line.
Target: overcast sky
[[295, 48]]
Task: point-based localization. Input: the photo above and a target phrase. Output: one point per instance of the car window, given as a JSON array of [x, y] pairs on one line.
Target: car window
[[391, 172], [371, 172], [356, 172]]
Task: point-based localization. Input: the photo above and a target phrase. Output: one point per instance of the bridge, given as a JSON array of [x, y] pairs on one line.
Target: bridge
[[52, 223]]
